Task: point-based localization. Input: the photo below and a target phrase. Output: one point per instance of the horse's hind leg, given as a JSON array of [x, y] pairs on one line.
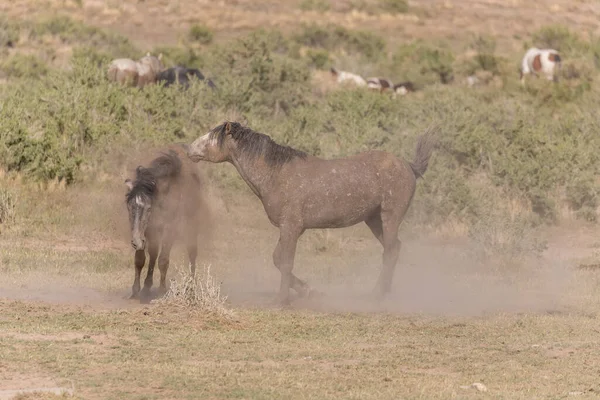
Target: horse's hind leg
[[163, 264], [391, 250], [374, 223], [140, 260]]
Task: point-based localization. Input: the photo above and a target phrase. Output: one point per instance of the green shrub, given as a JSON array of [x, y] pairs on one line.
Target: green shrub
[[201, 34], [179, 55], [318, 58], [9, 32], [424, 63], [560, 38], [24, 66], [334, 38]]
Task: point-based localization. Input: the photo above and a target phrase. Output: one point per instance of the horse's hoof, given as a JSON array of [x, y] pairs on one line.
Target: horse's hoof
[[303, 291], [316, 294], [134, 296], [145, 296]]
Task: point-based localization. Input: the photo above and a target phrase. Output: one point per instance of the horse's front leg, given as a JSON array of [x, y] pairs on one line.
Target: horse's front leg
[[140, 260], [298, 285], [153, 247], [285, 254]]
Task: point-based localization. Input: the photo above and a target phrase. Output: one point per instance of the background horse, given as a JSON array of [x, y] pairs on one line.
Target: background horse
[[380, 84], [300, 192], [135, 73], [182, 76], [540, 61], [343, 77], [165, 203]]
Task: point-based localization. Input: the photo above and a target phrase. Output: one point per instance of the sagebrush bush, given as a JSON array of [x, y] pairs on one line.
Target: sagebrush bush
[[24, 66], [535, 144], [334, 38], [201, 34]]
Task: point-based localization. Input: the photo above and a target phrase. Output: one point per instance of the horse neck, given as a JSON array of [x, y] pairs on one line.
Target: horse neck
[[257, 175]]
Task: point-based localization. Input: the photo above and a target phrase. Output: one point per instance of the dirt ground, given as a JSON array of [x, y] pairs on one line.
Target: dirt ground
[[523, 327]]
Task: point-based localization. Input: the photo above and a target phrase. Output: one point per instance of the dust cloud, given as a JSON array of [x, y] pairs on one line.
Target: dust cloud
[[430, 279]]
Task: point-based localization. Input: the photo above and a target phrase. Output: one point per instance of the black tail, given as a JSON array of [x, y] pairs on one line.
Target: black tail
[[425, 147]]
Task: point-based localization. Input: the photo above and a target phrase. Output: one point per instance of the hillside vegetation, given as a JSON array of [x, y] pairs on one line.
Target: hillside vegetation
[[507, 154]]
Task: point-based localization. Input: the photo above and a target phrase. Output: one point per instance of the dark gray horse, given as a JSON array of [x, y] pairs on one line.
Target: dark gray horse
[[182, 76], [300, 192], [165, 203]]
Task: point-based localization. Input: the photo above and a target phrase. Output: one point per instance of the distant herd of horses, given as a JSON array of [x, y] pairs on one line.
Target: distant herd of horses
[[150, 69], [537, 62], [165, 200]]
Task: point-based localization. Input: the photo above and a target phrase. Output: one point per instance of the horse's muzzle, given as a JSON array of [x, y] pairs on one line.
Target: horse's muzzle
[[138, 244]]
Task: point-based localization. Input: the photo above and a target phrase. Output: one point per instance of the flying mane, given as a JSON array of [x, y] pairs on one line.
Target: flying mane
[[255, 144], [165, 166]]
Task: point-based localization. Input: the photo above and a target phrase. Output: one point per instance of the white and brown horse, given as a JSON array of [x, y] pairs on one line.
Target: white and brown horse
[[136, 73], [544, 62], [344, 77]]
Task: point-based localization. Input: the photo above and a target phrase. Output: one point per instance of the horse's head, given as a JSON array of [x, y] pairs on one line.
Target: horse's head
[[139, 205], [153, 62], [216, 146]]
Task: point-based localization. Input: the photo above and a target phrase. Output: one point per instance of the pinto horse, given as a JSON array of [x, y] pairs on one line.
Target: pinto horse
[[166, 203], [540, 61], [135, 73], [299, 191]]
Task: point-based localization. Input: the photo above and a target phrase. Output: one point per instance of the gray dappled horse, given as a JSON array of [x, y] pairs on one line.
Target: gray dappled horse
[[300, 191]]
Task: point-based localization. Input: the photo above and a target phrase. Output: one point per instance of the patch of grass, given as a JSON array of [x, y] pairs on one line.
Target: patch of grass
[[9, 32], [315, 5], [394, 6], [330, 355], [8, 202], [24, 66]]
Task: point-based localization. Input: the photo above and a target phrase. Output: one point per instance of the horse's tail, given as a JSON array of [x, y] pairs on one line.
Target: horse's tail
[[425, 146]]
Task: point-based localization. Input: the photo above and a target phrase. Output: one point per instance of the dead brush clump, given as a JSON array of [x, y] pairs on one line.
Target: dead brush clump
[[200, 292]]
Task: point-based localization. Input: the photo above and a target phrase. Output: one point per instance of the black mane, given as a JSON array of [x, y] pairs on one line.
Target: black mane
[[255, 144], [167, 165]]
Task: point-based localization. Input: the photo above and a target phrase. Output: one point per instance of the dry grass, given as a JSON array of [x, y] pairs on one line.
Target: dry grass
[[200, 292]]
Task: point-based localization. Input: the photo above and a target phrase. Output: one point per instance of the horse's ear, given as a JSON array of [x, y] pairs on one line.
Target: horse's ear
[[129, 184], [227, 128]]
